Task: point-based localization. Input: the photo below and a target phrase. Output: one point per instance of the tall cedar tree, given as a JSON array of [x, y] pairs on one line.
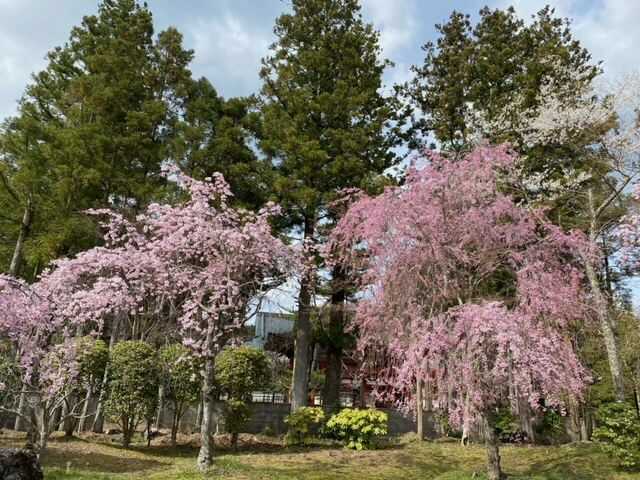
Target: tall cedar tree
[[326, 128], [91, 131], [482, 68]]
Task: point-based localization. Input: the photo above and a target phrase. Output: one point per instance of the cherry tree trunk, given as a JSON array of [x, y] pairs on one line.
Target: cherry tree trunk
[[22, 410], [42, 425], [98, 421], [494, 471], [85, 408], [419, 409], [68, 420], [466, 424], [526, 417], [205, 456]]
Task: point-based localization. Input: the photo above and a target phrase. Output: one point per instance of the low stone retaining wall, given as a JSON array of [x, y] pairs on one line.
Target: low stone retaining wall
[[269, 418]]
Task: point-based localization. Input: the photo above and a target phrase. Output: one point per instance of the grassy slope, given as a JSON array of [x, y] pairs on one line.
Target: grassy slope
[[100, 458]]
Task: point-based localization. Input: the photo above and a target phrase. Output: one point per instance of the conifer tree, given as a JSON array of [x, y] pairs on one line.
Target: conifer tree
[[326, 127], [91, 131]]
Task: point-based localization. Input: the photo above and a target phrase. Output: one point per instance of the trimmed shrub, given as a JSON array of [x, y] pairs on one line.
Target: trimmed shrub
[[358, 429], [133, 390], [239, 372], [619, 433], [242, 370], [303, 424], [236, 415], [180, 375]]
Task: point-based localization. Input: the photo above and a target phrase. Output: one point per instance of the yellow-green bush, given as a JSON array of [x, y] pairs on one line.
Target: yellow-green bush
[[303, 423], [358, 429]]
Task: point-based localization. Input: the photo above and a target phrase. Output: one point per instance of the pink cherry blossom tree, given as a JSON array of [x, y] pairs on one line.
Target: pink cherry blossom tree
[[46, 356], [200, 264], [601, 122], [220, 259], [203, 262], [467, 291]]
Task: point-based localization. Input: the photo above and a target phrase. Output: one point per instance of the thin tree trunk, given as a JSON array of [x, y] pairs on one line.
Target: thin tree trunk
[[494, 471], [419, 410], [301, 360], [602, 308], [98, 421], [85, 408], [158, 423], [25, 226], [608, 334], [466, 423], [199, 415], [205, 456], [149, 436], [22, 409], [175, 422], [69, 422], [585, 435]]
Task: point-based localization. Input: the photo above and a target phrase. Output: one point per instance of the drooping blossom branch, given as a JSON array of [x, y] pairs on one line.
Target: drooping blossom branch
[[467, 289]]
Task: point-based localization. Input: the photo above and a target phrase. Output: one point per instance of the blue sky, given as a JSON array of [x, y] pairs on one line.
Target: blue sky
[[230, 36]]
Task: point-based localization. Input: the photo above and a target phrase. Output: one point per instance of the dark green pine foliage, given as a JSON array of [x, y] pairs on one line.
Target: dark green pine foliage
[[92, 130], [221, 135], [485, 66], [327, 125], [497, 69]]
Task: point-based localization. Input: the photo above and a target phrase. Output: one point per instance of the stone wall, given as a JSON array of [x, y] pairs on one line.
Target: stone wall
[[269, 418]]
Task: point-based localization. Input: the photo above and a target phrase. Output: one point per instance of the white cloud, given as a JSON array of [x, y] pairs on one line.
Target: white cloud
[[228, 52], [27, 32], [608, 29], [611, 34], [16, 65], [395, 20]]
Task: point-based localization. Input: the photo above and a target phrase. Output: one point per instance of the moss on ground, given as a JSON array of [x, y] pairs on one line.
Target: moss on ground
[[99, 457]]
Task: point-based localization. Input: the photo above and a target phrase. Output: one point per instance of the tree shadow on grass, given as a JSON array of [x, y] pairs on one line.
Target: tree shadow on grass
[[94, 457], [97, 462], [354, 467], [578, 464]]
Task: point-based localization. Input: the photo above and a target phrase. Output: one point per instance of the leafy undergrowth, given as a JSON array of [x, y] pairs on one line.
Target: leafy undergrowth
[[99, 457]]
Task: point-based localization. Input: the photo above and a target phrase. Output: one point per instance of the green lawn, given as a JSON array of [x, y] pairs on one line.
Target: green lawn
[[100, 458]]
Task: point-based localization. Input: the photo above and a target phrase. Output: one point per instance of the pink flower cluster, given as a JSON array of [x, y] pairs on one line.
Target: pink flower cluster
[[196, 265], [465, 288]]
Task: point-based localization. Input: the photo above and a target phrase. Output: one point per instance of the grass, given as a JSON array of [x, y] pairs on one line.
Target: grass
[[99, 457]]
